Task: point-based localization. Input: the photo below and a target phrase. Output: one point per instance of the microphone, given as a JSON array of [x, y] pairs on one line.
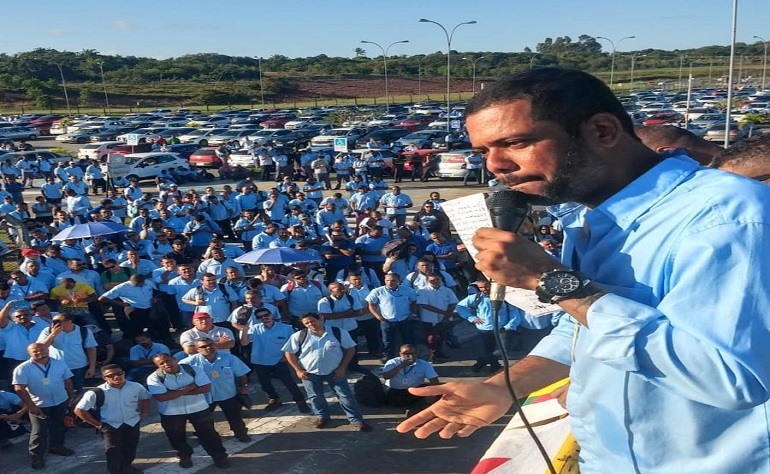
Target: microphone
[[508, 209]]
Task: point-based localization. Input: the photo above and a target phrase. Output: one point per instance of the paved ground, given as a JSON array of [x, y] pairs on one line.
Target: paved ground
[[284, 441]]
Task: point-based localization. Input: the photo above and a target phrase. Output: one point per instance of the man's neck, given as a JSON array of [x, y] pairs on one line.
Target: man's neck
[[42, 361]]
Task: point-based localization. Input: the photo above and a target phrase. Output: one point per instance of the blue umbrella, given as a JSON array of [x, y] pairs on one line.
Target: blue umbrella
[[90, 229], [279, 256]]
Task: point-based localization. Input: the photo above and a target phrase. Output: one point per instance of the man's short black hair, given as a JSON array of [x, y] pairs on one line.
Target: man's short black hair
[[564, 96]]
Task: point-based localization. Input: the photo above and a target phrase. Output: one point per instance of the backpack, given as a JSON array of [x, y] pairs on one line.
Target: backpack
[[331, 303], [161, 374], [475, 303], [369, 391], [199, 292], [303, 337], [96, 411], [415, 274]]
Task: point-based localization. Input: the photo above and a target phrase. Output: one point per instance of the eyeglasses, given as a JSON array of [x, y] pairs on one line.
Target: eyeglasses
[[300, 278], [264, 316], [54, 321], [207, 346], [114, 375]]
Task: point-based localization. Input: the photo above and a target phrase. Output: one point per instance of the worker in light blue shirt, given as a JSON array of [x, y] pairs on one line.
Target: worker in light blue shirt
[[181, 392], [662, 284], [393, 304], [73, 345], [319, 355], [229, 377], [45, 386], [140, 357], [267, 338], [19, 330], [123, 406]]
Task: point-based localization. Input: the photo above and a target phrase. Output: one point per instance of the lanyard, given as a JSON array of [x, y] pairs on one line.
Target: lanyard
[[45, 372]]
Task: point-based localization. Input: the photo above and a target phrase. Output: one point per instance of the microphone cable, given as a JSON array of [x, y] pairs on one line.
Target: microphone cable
[[512, 392]]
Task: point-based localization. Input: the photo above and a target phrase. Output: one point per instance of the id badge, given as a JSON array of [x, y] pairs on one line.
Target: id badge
[[214, 374], [46, 381]]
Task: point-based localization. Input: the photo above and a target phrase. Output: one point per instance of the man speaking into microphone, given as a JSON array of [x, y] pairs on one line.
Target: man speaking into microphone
[[663, 285]]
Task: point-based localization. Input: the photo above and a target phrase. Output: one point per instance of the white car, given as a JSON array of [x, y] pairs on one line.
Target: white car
[[451, 164], [146, 134], [327, 140], [143, 165], [200, 136], [19, 133], [97, 150], [242, 157]]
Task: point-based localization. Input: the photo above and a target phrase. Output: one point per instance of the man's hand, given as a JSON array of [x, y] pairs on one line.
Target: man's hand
[[510, 259], [35, 410], [302, 374], [339, 373], [90, 372], [463, 408]]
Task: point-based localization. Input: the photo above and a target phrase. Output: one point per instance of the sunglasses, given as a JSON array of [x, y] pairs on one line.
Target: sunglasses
[[114, 375], [207, 346]]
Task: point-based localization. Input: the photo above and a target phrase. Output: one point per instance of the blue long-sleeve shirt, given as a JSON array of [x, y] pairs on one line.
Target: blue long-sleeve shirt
[[672, 372]]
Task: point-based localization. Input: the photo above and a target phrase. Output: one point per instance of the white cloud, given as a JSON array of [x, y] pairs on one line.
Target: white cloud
[[123, 25]]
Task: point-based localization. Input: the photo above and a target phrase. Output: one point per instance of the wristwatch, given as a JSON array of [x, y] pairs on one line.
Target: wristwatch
[[556, 285]]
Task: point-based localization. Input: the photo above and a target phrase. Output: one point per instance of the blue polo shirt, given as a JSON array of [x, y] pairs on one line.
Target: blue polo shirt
[[17, 338], [340, 306], [303, 299], [410, 376], [68, 346], [121, 405], [9, 401], [321, 355], [222, 372], [136, 296], [179, 287], [19, 292], [45, 383], [217, 305], [394, 304], [186, 404], [366, 243], [137, 352], [267, 343], [271, 294]]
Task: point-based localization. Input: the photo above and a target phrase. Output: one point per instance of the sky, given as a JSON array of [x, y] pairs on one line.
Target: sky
[[301, 28]]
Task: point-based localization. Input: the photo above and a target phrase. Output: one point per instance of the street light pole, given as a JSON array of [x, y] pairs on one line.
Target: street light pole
[[612, 60], [633, 62], [261, 87], [681, 62], [764, 61], [419, 78], [448, 54], [473, 67], [104, 86], [385, 62], [64, 86]]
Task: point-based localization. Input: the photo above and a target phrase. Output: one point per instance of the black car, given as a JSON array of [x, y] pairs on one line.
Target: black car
[[383, 135], [296, 139], [183, 149]]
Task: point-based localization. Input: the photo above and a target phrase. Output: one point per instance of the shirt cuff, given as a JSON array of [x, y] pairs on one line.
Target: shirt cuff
[[614, 323]]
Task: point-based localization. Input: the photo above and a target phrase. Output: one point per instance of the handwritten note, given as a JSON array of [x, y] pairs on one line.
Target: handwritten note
[[468, 214]]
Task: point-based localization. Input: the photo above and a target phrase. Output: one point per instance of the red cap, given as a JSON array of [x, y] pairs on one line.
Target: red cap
[[201, 315], [30, 253]]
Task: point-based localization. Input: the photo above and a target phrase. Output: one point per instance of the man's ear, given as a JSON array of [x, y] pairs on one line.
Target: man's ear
[[602, 130]]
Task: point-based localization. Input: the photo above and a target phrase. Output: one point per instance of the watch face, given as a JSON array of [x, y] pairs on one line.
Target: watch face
[[561, 283]]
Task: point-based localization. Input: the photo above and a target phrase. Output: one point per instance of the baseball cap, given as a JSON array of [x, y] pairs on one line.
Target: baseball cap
[[30, 253], [201, 315]]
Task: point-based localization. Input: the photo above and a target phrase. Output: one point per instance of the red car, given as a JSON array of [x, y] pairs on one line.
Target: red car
[[43, 124], [663, 119], [276, 121], [414, 124], [205, 158]]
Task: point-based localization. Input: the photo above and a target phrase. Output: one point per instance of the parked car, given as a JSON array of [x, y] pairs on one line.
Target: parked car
[[327, 140], [276, 121], [19, 133], [451, 164], [664, 118], [200, 136], [422, 138], [205, 157], [260, 137], [183, 149], [125, 149], [149, 165], [383, 135], [81, 135], [43, 124], [97, 150], [229, 137], [146, 135], [414, 124], [242, 157], [717, 133], [297, 139], [110, 134]]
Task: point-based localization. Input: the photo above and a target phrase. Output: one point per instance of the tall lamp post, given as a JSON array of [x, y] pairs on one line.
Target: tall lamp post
[[448, 54], [385, 63], [64, 86], [681, 62], [764, 61], [104, 86], [633, 62], [612, 60], [419, 77], [261, 88], [473, 67]]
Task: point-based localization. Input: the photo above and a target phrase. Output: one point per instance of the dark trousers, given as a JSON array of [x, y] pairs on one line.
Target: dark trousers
[[203, 422], [389, 330], [96, 184], [280, 371], [474, 174], [371, 331], [138, 320], [227, 229], [398, 172], [488, 346], [48, 432], [416, 170], [341, 179], [434, 335], [172, 310], [232, 409], [120, 446], [267, 170], [398, 219], [8, 365]]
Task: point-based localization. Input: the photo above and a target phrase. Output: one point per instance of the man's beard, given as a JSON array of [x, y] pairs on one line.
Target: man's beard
[[574, 180]]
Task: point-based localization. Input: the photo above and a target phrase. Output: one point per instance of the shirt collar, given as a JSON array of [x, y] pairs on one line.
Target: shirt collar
[[625, 206]]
